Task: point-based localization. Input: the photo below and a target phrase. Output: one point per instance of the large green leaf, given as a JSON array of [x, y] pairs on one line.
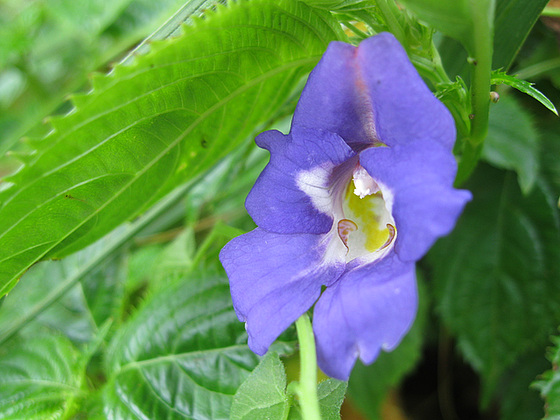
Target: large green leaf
[[263, 394], [182, 356], [513, 21], [89, 261], [497, 273], [149, 125], [79, 308], [49, 47], [513, 141], [40, 378]]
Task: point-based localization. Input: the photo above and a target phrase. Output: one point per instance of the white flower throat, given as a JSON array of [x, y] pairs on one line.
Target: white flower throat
[[364, 222], [361, 208]]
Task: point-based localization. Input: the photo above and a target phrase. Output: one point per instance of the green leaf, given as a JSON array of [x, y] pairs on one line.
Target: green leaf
[[452, 17], [369, 385], [501, 78], [331, 395], [142, 15], [263, 394], [497, 274], [549, 384], [86, 16], [109, 246], [341, 5], [39, 378], [48, 48], [147, 126], [550, 153], [77, 313], [518, 400], [182, 355], [513, 21], [513, 141]]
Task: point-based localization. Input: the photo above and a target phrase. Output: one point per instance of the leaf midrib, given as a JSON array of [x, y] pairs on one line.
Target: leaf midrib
[[46, 383], [174, 357]]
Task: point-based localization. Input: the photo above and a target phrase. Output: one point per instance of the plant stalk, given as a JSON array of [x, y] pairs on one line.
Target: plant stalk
[[307, 387], [482, 13]]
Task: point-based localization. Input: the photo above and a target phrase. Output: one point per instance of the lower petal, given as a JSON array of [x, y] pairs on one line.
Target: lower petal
[[369, 309], [275, 278]]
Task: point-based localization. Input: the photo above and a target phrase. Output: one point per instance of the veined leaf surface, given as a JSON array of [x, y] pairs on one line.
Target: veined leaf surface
[[503, 273], [183, 355], [150, 125], [40, 378]]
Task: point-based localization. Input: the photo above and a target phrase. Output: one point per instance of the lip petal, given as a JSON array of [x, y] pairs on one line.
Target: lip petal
[[368, 310], [274, 278]]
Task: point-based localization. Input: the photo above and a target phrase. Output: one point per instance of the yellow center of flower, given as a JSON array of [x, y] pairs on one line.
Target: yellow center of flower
[[368, 225]]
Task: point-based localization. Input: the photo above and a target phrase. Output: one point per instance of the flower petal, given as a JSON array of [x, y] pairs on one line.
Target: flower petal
[[274, 278], [405, 109], [419, 177], [367, 310], [278, 201], [372, 94], [331, 100]]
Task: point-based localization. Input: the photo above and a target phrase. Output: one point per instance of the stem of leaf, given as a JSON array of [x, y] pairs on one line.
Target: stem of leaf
[[482, 14], [307, 387]]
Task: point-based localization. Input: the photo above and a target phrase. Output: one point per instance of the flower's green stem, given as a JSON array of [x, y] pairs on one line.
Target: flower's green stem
[[307, 387], [483, 32]]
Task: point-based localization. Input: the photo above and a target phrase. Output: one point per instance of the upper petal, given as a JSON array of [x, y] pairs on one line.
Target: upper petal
[[405, 109], [274, 278], [370, 94], [419, 179], [284, 199], [369, 309], [331, 98]]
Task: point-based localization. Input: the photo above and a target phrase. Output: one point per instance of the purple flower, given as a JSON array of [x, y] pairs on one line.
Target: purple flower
[[352, 197]]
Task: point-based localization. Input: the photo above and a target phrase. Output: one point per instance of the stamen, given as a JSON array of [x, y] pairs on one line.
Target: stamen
[[392, 233], [345, 227], [364, 183]]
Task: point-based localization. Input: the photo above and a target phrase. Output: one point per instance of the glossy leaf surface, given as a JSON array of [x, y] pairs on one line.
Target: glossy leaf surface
[[183, 355]]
